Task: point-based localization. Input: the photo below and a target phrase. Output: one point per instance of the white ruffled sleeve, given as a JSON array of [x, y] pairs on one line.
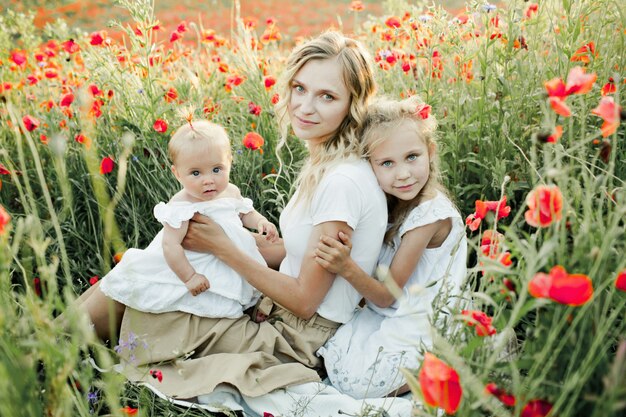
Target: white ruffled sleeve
[[174, 214], [245, 206], [439, 208]]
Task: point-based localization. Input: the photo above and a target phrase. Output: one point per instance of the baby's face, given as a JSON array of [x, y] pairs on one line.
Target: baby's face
[[203, 173]]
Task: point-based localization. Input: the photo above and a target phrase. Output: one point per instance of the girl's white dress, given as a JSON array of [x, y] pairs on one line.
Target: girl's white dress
[[364, 357], [144, 281]]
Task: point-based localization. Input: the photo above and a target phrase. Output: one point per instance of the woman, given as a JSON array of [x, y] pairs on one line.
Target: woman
[[329, 83]]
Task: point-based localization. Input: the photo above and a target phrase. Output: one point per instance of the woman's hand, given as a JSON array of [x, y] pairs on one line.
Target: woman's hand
[[204, 235], [334, 255]]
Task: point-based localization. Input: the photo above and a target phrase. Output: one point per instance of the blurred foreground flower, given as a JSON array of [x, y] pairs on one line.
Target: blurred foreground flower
[[4, 219], [504, 397], [558, 285], [30, 123], [106, 165], [483, 207], [610, 113], [481, 320], [545, 206], [620, 280], [160, 125], [440, 384], [536, 408]]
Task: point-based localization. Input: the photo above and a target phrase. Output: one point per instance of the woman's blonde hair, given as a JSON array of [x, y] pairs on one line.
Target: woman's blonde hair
[[195, 134], [358, 77], [383, 116]]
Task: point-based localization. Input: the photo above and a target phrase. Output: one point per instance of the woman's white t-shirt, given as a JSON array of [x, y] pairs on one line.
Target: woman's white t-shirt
[[350, 193]]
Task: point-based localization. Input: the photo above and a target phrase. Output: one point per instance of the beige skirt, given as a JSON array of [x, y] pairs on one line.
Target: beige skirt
[[184, 356]]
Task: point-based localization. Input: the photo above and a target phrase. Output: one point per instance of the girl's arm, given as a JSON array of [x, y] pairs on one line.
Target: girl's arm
[[272, 252], [301, 295], [177, 260], [334, 255]]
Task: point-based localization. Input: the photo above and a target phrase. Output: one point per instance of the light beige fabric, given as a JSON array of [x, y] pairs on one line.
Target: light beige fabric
[[194, 354]]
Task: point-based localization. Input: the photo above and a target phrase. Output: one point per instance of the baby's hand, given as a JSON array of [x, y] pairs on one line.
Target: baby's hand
[[197, 284], [268, 229], [334, 255]]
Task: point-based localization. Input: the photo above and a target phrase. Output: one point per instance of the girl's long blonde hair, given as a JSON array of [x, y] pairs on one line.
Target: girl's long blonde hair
[[358, 77], [382, 117]]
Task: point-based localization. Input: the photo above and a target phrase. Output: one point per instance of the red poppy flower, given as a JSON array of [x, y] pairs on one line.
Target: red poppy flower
[[84, 140], [610, 113], [545, 206], [4, 219], [393, 22], [270, 34], [536, 408], [106, 165], [584, 53], [30, 123], [97, 38], [608, 88], [171, 95], [499, 207], [70, 46], [156, 374], [578, 82], [266, 414], [356, 6], [182, 27], [481, 320], [473, 222], [254, 109], [129, 411], [4, 170], [504, 397], [531, 10], [423, 111], [253, 141], [117, 257], [269, 81], [559, 286], [556, 135], [174, 36], [96, 108], [620, 280], [66, 100], [559, 106], [440, 384], [93, 280], [94, 90], [160, 125], [19, 58], [275, 98]]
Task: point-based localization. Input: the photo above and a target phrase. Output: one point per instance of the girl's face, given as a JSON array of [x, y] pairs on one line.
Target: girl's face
[[203, 173], [401, 162], [319, 101]]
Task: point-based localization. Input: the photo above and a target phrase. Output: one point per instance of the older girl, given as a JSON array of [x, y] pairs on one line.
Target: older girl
[[424, 253]]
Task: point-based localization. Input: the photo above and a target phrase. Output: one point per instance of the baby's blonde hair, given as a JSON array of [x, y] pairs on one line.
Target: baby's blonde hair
[[194, 135], [358, 77], [383, 116]]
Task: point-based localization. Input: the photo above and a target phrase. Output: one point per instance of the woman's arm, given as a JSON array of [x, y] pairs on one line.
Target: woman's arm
[[301, 295], [272, 252], [334, 255]]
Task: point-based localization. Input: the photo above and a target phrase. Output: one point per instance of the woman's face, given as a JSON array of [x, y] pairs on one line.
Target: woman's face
[[319, 100]]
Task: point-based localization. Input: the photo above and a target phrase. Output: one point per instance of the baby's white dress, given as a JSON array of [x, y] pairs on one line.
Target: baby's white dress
[[144, 281], [363, 359]]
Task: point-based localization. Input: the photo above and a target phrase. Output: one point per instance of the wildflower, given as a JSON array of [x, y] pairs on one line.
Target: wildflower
[[182, 27], [70, 46], [620, 280], [423, 111], [536, 408], [174, 36], [171, 95], [608, 88], [93, 280], [156, 374], [19, 58], [92, 397], [556, 134], [84, 140], [30, 123], [94, 90], [545, 206], [97, 38], [481, 321], [254, 109], [37, 286], [51, 73], [117, 257], [270, 34], [531, 10], [4, 170], [269, 81], [489, 7], [275, 98], [610, 113], [160, 125], [578, 82], [393, 22], [66, 100], [440, 384], [356, 6], [129, 411], [106, 165], [558, 285], [4, 219], [584, 53], [504, 397], [559, 106], [95, 110], [253, 141], [499, 207]]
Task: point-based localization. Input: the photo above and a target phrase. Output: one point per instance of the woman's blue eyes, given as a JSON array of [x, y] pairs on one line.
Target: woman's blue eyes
[[300, 89], [411, 157]]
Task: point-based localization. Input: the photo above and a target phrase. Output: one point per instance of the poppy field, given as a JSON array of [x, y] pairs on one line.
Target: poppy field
[[532, 148]]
